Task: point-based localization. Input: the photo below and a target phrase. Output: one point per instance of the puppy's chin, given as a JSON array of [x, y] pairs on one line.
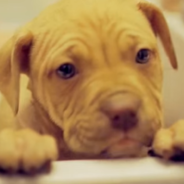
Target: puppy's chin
[[126, 147]]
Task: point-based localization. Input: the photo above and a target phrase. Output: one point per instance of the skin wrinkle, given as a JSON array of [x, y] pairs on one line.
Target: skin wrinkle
[[90, 142], [106, 91], [103, 40], [84, 126], [110, 28], [66, 47], [91, 23], [93, 138], [83, 142], [151, 88], [98, 19], [81, 108], [65, 39], [104, 51], [154, 94], [56, 54], [46, 121], [109, 92], [92, 128], [101, 35], [67, 108], [67, 103], [53, 41], [41, 43], [86, 141], [71, 105], [47, 103], [71, 108], [73, 101]]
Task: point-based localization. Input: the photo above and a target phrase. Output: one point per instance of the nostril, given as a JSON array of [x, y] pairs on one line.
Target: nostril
[[116, 118], [124, 120], [103, 153], [124, 115], [132, 114]]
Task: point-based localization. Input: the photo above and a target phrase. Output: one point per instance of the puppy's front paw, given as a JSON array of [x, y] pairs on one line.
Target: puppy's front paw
[[25, 150], [169, 143]]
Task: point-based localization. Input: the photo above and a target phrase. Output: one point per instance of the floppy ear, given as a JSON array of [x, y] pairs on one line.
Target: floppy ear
[[14, 60], [160, 28]]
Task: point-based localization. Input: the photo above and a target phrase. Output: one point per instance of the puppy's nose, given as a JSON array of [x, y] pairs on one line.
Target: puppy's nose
[[122, 111]]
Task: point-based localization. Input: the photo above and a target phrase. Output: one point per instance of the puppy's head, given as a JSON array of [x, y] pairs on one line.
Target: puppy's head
[[95, 69]]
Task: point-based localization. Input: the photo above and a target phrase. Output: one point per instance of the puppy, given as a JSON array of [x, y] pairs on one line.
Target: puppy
[[91, 84]]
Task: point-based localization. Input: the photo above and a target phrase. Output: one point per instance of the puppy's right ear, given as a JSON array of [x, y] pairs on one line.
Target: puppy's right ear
[[14, 58]]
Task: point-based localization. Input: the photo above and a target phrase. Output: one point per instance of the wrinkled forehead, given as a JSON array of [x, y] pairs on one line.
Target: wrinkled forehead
[[87, 33]]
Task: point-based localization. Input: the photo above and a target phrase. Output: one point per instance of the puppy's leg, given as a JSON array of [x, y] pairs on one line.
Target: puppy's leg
[[25, 150], [169, 143]]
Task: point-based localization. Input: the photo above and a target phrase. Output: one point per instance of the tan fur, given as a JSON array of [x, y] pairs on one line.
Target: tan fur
[[101, 38]]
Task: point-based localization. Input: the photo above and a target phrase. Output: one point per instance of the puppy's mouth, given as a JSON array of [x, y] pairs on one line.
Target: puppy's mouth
[[125, 147]]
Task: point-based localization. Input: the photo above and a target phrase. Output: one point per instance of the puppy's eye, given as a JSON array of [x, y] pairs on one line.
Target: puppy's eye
[[66, 71], [143, 56]]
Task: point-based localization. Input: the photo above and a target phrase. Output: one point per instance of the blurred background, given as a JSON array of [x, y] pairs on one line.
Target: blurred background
[[14, 13]]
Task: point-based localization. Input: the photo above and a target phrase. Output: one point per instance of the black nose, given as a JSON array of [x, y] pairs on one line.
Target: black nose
[[122, 111]]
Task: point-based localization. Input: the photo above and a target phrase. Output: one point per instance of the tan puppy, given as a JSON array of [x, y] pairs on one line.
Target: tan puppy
[[94, 83]]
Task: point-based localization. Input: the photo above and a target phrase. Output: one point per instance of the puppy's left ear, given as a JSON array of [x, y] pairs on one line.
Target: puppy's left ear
[[160, 27], [14, 56]]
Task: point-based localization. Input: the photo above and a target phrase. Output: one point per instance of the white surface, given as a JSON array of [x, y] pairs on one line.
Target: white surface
[[139, 171]]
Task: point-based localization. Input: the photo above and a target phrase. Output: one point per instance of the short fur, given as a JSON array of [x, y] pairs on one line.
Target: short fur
[[101, 38]]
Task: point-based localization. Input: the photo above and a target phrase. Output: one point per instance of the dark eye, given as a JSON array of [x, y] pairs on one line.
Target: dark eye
[[66, 71], [143, 56]]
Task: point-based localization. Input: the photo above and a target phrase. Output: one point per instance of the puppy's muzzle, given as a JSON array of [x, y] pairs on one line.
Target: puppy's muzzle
[[122, 111]]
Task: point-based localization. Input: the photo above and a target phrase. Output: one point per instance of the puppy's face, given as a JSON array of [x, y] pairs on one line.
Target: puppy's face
[[99, 78], [94, 68]]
